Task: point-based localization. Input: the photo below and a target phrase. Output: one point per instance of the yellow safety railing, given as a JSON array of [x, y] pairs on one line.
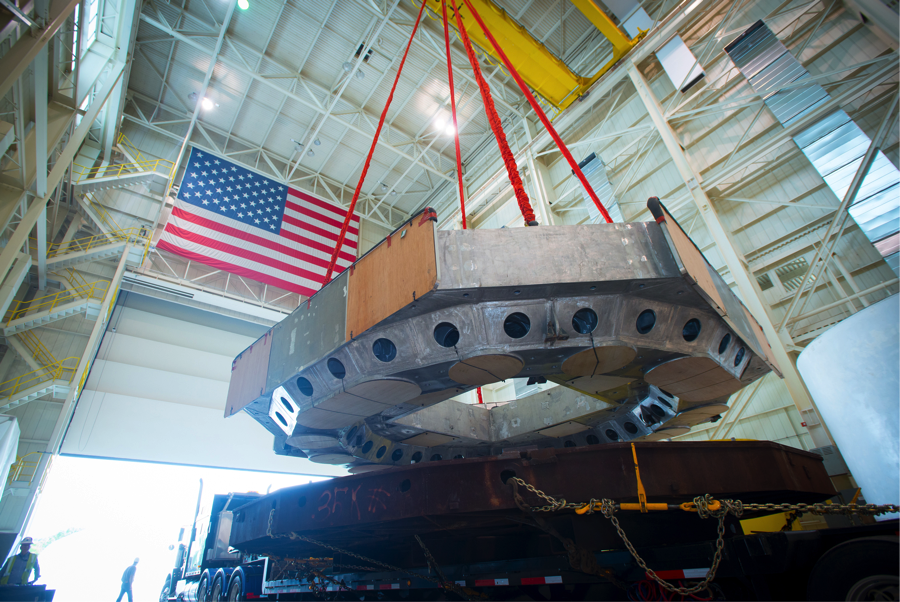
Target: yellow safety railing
[[133, 235], [82, 172], [94, 290], [74, 278], [37, 349], [134, 151], [55, 371], [24, 468], [100, 210]]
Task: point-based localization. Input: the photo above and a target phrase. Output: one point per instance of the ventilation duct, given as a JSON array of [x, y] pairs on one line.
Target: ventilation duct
[[835, 145], [680, 64], [632, 17]]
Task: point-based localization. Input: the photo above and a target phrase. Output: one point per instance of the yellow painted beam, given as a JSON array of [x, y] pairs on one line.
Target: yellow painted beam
[[544, 73]]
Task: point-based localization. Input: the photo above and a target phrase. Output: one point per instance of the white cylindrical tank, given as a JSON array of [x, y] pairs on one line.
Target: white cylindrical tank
[[852, 373]]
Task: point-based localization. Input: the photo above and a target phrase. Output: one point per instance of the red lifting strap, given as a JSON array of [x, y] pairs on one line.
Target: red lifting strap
[[462, 198], [362, 176], [537, 109], [497, 126]]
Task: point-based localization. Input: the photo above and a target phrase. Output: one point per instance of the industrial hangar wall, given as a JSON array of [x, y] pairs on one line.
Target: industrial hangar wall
[[157, 390]]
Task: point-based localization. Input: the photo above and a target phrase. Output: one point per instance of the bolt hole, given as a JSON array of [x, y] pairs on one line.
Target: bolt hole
[[613, 435], [416, 458], [569, 443], [630, 427], [645, 321], [405, 485], [739, 357], [381, 451], [446, 334], [724, 343], [284, 422], [657, 410], [436, 458], [398, 453], [305, 386], [592, 440], [384, 350], [691, 330], [516, 325], [287, 405], [336, 368], [367, 447], [506, 475], [585, 320]]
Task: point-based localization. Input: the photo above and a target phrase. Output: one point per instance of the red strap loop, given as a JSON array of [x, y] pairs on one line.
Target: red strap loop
[[462, 196]]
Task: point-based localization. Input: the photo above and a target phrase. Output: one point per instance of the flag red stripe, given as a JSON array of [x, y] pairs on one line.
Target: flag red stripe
[[310, 228], [211, 243], [316, 245], [323, 205], [257, 240], [236, 269], [321, 217]]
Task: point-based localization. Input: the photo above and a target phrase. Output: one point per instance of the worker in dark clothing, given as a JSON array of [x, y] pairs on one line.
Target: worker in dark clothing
[[17, 570], [127, 580]]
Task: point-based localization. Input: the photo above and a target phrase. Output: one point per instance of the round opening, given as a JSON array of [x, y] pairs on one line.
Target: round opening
[[436, 457], [352, 432], [302, 501], [359, 440], [459, 457], [629, 426], [446, 334], [506, 475], [645, 321], [284, 422], [592, 440], [405, 485], [416, 457], [516, 325], [336, 368], [613, 435], [724, 343], [381, 451], [664, 402], [739, 357], [398, 453], [657, 410], [367, 447], [288, 405], [569, 443], [384, 350], [305, 386], [585, 320], [691, 330]]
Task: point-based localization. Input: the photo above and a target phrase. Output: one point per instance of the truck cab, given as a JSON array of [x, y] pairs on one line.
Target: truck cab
[[204, 560]]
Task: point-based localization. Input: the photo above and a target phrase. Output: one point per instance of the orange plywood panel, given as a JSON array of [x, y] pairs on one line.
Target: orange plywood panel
[[391, 276], [248, 375], [694, 262]]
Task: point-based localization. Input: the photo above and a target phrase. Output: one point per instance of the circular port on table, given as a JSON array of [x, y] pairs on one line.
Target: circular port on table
[[398, 453], [630, 427], [516, 325], [305, 386], [416, 458], [691, 330], [724, 343], [287, 404], [645, 321], [367, 447], [739, 357], [384, 350], [381, 451], [446, 334], [280, 418], [336, 368], [585, 320], [592, 440], [613, 435]]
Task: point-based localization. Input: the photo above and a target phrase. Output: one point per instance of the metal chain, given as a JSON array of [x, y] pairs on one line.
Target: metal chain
[[702, 505], [464, 592]]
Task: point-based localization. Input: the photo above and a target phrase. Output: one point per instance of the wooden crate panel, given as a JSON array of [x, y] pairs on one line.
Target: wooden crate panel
[[248, 375], [694, 262], [391, 276]]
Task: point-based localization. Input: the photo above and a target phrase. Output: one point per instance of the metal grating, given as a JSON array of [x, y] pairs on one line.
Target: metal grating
[[835, 145], [594, 170]]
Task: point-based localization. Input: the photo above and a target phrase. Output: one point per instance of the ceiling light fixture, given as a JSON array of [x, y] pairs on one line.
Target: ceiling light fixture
[[207, 104], [243, 4], [317, 142], [360, 75], [383, 187], [310, 153], [450, 129], [393, 193], [348, 66]]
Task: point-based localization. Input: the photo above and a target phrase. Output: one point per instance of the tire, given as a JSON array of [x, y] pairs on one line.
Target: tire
[[203, 589], [859, 569], [164, 593], [235, 590], [217, 592]]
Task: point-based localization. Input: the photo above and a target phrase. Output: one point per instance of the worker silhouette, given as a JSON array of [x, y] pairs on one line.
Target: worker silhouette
[[127, 580], [17, 569]]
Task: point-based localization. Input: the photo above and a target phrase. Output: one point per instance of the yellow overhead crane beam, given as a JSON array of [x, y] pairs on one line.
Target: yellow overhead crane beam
[[542, 71]]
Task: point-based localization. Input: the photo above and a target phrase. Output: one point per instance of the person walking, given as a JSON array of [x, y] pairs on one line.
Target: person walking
[[17, 569], [127, 580]]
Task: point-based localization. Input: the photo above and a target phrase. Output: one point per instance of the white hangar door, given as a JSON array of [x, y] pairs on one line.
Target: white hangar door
[[156, 392]]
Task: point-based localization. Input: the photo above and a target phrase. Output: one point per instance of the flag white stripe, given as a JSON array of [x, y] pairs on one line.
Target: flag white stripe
[[336, 230]]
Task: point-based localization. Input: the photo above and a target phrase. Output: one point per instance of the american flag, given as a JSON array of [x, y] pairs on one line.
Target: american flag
[[238, 221]]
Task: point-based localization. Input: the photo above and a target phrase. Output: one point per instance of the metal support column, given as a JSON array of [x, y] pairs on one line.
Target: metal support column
[[41, 157], [538, 175], [749, 293]]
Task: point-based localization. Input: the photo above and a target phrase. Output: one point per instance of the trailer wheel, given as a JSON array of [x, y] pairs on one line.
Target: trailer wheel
[[860, 569], [203, 589], [216, 591], [164, 594], [235, 591]]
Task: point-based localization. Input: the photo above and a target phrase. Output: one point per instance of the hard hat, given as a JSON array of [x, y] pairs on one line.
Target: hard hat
[[26, 540]]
